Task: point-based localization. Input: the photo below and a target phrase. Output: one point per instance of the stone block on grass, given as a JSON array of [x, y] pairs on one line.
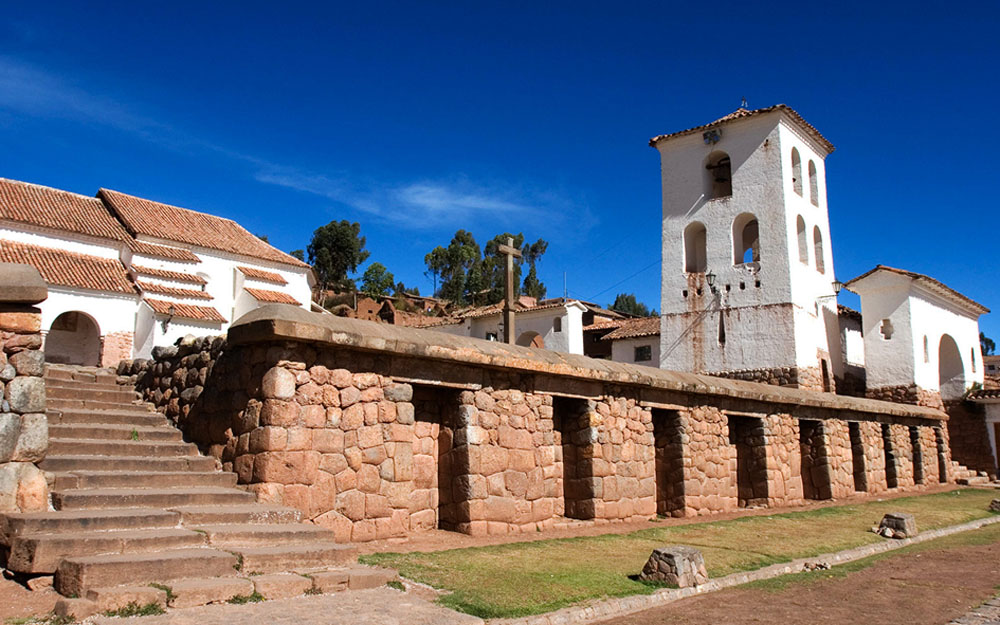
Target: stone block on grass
[[676, 565], [898, 525], [995, 505]]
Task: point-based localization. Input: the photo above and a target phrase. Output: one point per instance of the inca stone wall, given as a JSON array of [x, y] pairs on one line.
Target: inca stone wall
[[377, 431], [23, 425]]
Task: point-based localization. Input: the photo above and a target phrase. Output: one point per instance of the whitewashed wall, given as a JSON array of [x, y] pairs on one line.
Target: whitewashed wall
[[623, 350]]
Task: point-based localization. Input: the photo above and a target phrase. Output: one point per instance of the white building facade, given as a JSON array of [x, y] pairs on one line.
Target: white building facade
[[126, 274]]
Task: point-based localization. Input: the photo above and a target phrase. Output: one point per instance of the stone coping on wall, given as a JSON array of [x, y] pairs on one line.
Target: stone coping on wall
[[21, 284], [280, 322]]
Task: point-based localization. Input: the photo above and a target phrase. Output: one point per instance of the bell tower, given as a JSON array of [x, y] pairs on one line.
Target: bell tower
[[748, 287]]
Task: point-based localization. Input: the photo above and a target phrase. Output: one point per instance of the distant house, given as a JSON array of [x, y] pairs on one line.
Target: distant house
[[126, 274], [636, 341]]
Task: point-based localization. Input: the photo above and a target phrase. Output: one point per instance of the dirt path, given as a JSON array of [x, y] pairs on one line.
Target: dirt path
[[930, 587]]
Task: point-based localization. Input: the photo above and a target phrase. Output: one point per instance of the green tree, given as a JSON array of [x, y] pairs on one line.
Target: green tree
[[263, 237], [495, 264], [451, 264], [531, 254], [298, 254], [335, 250], [987, 344], [627, 303], [377, 280]]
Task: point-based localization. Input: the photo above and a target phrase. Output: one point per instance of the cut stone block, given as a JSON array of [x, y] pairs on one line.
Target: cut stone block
[[675, 565], [330, 581], [898, 525], [188, 593], [77, 609], [370, 578], [116, 598], [281, 585], [995, 505]]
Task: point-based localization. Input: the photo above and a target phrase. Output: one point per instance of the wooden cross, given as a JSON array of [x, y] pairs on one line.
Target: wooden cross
[[508, 303]]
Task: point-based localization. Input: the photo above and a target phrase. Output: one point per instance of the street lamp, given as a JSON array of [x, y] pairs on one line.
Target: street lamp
[[710, 279]]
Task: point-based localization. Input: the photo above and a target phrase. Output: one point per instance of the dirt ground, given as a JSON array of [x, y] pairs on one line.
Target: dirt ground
[[17, 601], [931, 587]]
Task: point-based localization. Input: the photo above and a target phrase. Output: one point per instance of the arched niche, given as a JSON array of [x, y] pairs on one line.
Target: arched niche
[[74, 339]]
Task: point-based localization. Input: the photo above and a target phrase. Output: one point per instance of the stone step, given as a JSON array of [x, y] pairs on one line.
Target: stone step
[[135, 417], [76, 575], [257, 513], [114, 431], [42, 553], [95, 376], [21, 523], [188, 593], [82, 393], [89, 499], [103, 385], [66, 463], [263, 535], [290, 557], [143, 479], [97, 447], [88, 404]]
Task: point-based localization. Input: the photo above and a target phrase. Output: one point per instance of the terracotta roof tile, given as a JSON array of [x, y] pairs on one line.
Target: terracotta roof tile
[[259, 274], [934, 285], [985, 393], [275, 297], [153, 287], [185, 311], [176, 276], [58, 210], [64, 268], [634, 328], [742, 113], [163, 251], [183, 225]]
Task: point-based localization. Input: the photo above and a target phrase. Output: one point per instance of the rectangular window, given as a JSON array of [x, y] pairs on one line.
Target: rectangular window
[[491, 336], [643, 353]]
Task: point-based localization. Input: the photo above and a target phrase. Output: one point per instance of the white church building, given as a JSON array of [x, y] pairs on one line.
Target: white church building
[[126, 274], [748, 283]]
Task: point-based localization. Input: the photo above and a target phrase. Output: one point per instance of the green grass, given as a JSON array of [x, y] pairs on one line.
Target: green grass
[[48, 619], [256, 597], [134, 609], [396, 585], [166, 589], [519, 579]]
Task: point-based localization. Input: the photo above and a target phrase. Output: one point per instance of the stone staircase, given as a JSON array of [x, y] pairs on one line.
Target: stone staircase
[[137, 511], [961, 474]]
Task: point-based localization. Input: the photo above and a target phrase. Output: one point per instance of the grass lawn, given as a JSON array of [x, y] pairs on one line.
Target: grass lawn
[[518, 579]]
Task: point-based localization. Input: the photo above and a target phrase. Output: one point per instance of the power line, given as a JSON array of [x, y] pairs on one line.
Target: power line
[[649, 266]]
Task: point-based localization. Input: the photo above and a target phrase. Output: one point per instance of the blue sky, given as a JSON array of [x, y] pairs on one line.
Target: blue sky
[[417, 119]]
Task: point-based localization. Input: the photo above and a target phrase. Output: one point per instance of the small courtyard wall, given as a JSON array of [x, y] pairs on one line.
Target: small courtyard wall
[[23, 424], [377, 431]]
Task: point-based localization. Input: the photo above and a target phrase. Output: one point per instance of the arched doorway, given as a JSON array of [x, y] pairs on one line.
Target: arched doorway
[[531, 339], [951, 373], [74, 339]]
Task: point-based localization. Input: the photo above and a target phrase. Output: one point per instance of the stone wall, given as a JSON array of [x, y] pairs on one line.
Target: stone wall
[[115, 347], [23, 425], [383, 439], [907, 394], [969, 436]]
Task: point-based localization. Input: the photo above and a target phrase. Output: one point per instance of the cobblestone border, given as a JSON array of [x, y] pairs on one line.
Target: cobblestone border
[[986, 614], [612, 608]]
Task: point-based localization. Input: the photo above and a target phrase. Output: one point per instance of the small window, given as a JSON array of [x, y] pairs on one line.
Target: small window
[[818, 250], [643, 353], [886, 329], [719, 176], [491, 336], [557, 324], [800, 228], [746, 239], [695, 255], [796, 171], [973, 354], [813, 184], [927, 351]]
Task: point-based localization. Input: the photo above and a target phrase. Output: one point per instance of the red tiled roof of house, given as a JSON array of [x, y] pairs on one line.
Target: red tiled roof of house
[[70, 269], [163, 251], [634, 328], [185, 311], [176, 276], [53, 209], [153, 287], [274, 297], [260, 274], [163, 221], [742, 113]]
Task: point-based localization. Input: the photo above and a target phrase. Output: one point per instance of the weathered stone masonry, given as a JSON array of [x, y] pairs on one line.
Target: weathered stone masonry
[[378, 431]]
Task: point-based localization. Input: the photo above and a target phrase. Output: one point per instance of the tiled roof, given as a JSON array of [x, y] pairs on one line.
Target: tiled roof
[[162, 251], [275, 297], [496, 309], [173, 223], [416, 320], [985, 393], [742, 113], [934, 285], [70, 269], [259, 274], [153, 287], [185, 311], [176, 276], [850, 313], [604, 325], [634, 328], [58, 210]]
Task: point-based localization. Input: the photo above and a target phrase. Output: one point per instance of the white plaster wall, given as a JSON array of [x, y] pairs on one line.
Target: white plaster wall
[[758, 333], [852, 341], [623, 350], [569, 340], [933, 317], [887, 362], [79, 244], [113, 313]]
